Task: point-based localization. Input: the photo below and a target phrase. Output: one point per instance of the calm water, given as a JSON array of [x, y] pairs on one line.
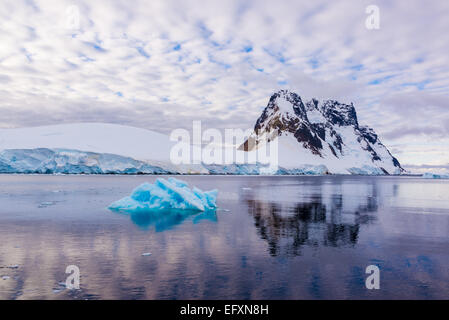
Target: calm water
[[272, 238]]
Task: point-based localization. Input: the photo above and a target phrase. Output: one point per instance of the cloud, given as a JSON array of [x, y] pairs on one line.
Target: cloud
[[429, 166], [404, 131], [161, 64]]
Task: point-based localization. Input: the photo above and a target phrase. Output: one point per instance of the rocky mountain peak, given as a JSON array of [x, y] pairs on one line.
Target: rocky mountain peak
[[339, 113], [327, 129], [285, 101]]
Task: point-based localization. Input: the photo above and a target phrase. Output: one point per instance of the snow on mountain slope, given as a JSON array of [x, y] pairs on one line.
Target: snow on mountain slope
[[326, 134]]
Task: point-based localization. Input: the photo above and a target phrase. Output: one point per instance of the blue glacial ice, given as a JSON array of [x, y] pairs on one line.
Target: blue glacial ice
[[66, 161], [429, 175], [366, 170], [166, 194]]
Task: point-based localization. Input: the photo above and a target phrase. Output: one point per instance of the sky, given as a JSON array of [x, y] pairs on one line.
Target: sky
[[160, 65]]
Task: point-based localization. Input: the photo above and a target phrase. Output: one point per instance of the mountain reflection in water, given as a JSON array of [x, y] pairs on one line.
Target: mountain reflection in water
[[322, 218]]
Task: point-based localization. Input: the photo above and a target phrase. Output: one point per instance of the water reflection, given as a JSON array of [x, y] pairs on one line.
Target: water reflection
[[280, 238], [321, 218], [162, 220]]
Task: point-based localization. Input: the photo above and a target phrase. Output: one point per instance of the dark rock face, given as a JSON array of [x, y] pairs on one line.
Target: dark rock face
[[368, 134], [288, 114], [309, 139], [339, 114]]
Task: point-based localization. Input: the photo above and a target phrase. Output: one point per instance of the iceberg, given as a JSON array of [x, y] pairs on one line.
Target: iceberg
[[166, 194], [429, 175]]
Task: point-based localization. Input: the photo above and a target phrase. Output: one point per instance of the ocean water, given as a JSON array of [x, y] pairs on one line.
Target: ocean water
[[291, 237]]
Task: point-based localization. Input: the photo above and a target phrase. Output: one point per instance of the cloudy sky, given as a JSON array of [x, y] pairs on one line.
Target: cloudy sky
[[161, 64]]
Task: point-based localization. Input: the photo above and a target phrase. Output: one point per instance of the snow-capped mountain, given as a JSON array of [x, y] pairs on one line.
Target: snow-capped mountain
[[321, 133], [313, 138]]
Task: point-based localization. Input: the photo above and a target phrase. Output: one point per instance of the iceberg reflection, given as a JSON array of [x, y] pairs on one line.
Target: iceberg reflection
[[162, 220]]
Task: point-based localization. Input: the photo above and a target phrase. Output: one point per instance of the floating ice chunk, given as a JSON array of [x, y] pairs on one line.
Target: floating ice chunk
[[429, 175], [146, 254], [166, 194]]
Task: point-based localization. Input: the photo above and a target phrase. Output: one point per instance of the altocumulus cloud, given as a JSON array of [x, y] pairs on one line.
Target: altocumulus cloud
[[161, 64]]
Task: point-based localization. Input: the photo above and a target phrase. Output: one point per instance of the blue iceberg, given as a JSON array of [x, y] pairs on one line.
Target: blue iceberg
[[166, 194]]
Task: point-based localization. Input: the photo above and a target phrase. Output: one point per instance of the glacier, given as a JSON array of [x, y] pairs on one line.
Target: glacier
[[166, 194], [66, 161], [307, 169], [366, 170], [262, 169]]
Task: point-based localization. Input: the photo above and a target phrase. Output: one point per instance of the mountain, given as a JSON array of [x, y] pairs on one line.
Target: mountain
[[313, 138], [321, 133]]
